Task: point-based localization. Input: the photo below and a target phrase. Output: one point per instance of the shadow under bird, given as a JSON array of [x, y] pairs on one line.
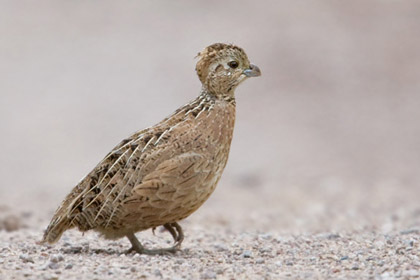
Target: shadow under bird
[[162, 174]]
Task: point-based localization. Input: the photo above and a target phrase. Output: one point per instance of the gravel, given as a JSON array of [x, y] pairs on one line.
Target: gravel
[[304, 256], [372, 234]]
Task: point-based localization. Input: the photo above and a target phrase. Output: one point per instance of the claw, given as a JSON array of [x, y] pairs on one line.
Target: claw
[[171, 230], [174, 229]]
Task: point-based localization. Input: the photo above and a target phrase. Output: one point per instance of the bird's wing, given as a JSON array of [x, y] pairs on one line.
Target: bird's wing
[[175, 185]]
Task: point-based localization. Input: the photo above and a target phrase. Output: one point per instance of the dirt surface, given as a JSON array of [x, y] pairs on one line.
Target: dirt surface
[[323, 177], [322, 232], [219, 254]]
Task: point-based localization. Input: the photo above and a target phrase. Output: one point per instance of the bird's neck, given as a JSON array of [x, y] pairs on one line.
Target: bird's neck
[[228, 96]]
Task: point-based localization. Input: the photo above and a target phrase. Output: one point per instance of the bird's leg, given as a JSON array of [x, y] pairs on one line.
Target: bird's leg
[[135, 244], [138, 248]]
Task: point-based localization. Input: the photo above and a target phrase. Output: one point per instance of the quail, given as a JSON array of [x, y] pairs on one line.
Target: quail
[[162, 174]]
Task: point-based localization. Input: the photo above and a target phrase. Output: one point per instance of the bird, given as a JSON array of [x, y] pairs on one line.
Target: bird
[[162, 174]]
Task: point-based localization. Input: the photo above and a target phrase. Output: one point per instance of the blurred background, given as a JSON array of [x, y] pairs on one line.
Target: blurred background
[[328, 138]]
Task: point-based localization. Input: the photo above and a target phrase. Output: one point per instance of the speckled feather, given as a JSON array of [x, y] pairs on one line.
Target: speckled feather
[[164, 173]]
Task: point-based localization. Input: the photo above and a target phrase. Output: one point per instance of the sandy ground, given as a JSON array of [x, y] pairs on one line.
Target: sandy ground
[[323, 177], [219, 254], [298, 233]]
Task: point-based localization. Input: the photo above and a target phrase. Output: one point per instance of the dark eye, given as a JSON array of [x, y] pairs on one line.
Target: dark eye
[[233, 64]]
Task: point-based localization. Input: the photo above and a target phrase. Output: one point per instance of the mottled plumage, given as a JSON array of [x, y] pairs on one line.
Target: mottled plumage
[[162, 174]]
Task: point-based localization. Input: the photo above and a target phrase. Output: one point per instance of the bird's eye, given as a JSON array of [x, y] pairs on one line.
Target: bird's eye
[[233, 64]]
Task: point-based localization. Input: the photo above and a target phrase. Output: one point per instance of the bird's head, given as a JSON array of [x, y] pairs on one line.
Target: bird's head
[[222, 67]]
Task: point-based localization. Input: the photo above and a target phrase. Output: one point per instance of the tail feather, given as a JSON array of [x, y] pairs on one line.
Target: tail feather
[[55, 229], [62, 219]]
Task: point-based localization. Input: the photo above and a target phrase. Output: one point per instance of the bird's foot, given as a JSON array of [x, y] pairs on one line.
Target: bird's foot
[[136, 247]]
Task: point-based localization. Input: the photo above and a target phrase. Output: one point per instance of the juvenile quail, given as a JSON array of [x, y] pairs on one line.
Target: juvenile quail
[[162, 174]]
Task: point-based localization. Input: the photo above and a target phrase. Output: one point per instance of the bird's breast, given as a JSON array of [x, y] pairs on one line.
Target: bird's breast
[[213, 129]]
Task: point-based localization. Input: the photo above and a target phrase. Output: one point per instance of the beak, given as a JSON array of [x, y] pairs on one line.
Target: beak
[[252, 71]]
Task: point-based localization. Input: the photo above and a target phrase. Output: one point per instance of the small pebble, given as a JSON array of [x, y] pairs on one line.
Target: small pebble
[[259, 261], [26, 258], [247, 254], [333, 236], [52, 265], [265, 250], [209, 274], [56, 258], [409, 243], [157, 273], [221, 247], [73, 250], [265, 236]]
